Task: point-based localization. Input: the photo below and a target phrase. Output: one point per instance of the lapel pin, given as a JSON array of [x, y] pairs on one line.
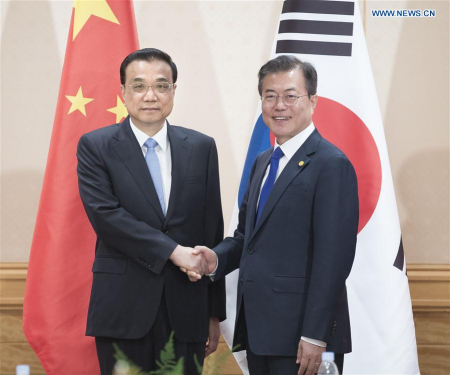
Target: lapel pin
[[301, 163]]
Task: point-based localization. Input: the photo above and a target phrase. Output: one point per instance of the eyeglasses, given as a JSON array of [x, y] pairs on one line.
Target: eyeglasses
[[272, 100], [158, 87]]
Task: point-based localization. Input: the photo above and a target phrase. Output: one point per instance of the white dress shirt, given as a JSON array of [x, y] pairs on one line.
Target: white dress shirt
[[289, 148], [164, 156]]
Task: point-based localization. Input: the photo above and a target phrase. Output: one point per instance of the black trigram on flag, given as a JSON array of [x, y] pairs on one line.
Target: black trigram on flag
[[294, 35]]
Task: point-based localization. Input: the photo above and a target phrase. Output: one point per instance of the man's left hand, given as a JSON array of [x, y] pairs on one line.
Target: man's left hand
[[214, 335], [309, 356]]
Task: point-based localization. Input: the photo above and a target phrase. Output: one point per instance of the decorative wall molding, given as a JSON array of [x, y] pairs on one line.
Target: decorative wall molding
[[430, 287], [12, 285]]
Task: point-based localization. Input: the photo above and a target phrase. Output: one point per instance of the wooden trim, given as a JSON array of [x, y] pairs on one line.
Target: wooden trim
[[13, 266], [12, 285], [428, 267], [429, 285]]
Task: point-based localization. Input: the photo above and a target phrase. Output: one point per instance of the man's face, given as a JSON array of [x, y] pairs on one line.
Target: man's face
[[148, 110], [285, 121]]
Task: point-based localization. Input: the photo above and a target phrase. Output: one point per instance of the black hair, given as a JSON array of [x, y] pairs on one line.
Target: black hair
[[286, 63], [147, 54]]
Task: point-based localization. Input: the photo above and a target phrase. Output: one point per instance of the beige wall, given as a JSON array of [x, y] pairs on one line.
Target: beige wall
[[219, 47], [410, 62]]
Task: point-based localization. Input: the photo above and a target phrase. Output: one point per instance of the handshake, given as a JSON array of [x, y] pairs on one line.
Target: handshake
[[194, 262]]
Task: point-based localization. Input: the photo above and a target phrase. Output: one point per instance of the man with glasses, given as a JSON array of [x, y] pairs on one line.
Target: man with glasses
[[151, 192], [296, 237]]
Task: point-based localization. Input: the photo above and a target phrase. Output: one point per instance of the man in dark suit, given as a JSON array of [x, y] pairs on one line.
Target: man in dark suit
[[151, 192], [296, 237]]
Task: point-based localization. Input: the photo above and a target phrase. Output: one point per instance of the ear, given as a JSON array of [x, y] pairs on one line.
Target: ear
[[122, 89], [313, 101], [174, 88]]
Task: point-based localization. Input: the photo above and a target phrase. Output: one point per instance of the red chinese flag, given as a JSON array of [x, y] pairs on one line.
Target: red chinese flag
[[102, 33]]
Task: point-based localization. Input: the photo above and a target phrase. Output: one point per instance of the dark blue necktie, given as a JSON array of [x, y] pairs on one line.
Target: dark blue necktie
[[270, 180]]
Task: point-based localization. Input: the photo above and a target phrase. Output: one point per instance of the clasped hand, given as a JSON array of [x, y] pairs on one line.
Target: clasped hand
[[194, 262]]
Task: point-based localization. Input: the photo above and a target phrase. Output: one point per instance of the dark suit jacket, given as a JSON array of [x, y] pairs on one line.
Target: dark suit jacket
[[294, 262], [134, 239]]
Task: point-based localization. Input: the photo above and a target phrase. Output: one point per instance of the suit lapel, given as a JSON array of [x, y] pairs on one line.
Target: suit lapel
[[255, 188], [181, 151], [292, 169], [130, 152]]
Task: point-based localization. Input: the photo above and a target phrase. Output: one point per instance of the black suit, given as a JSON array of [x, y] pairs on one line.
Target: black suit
[[134, 239], [294, 261]]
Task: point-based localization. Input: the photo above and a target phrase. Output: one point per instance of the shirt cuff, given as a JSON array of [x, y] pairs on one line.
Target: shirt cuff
[[314, 342], [213, 273]]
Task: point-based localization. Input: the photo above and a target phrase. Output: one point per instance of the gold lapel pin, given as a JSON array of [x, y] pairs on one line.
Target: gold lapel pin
[[301, 163]]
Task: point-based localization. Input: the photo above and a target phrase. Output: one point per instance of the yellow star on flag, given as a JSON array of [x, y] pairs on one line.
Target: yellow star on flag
[[84, 9], [119, 110], [78, 102]]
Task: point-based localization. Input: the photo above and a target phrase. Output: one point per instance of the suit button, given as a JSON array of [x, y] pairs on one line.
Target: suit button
[[241, 280], [250, 250], [165, 230], [151, 264]]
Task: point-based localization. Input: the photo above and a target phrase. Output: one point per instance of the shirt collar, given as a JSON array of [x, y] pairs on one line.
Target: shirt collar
[[291, 146], [160, 137]]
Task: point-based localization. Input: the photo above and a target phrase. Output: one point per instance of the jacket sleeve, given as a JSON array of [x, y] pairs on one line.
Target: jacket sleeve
[[214, 231], [229, 251], [114, 225], [335, 227]]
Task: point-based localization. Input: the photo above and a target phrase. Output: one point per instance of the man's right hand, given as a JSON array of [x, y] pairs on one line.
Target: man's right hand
[[185, 258], [208, 255]]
